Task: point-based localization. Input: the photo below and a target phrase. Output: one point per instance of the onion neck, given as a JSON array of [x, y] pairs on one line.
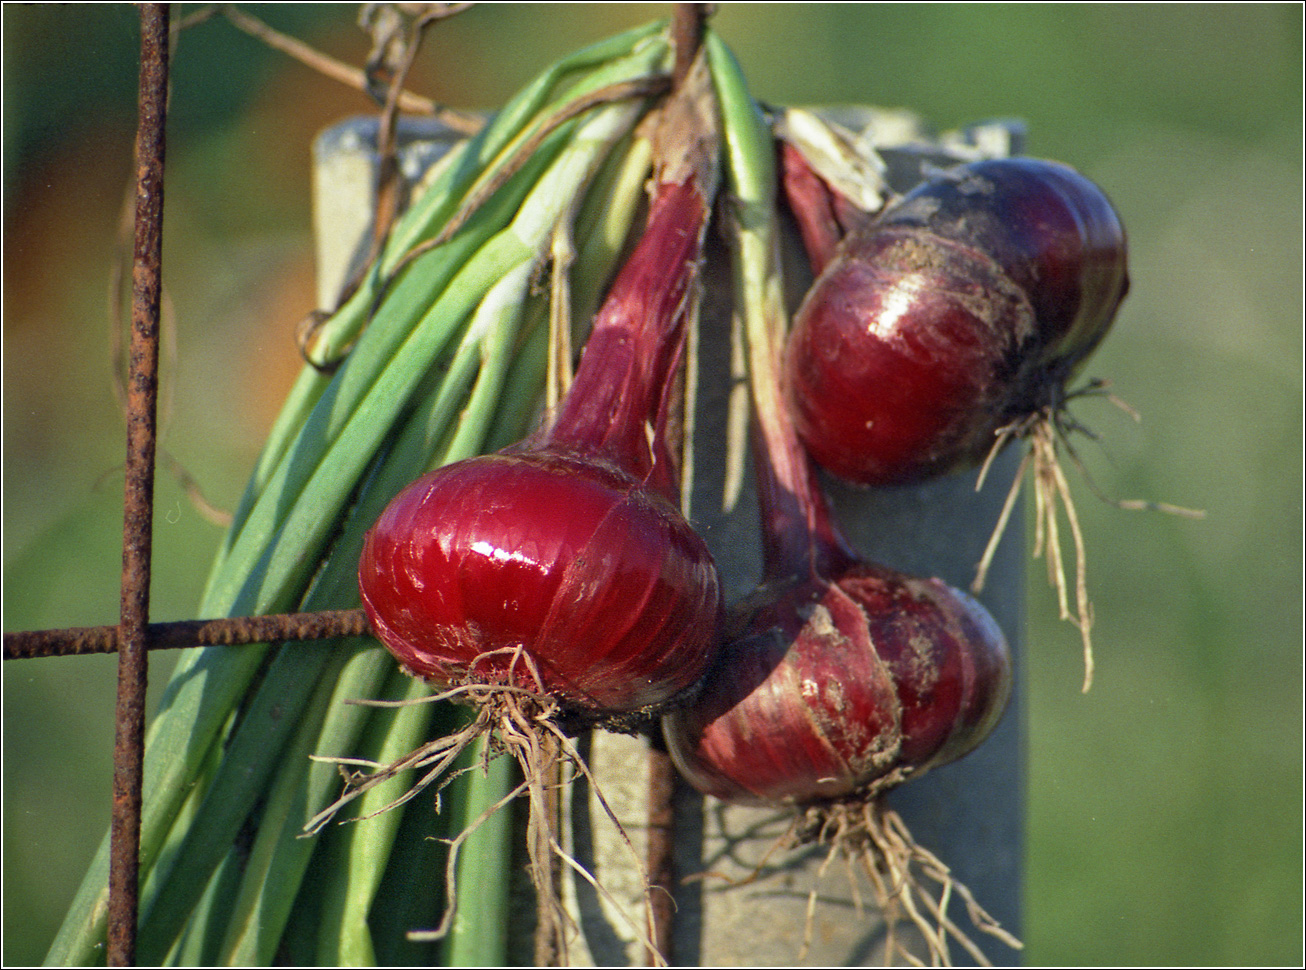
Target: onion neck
[[812, 203], [799, 538], [617, 405]]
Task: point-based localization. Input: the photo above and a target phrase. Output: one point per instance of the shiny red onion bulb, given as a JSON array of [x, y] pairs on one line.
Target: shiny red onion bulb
[[603, 584], [962, 309]]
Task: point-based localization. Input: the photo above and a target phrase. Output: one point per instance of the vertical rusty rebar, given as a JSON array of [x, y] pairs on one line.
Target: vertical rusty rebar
[[138, 501], [661, 853], [688, 24]]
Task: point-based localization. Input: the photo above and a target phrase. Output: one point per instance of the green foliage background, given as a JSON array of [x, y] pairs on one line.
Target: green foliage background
[[1165, 807]]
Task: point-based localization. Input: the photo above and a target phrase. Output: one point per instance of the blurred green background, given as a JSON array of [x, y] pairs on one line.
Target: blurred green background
[[1165, 807]]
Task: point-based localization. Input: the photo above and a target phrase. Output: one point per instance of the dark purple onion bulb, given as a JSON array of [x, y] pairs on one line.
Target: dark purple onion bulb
[[964, 308]]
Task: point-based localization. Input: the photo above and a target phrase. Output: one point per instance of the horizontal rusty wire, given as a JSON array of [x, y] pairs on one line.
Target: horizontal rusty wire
[[232, 631]]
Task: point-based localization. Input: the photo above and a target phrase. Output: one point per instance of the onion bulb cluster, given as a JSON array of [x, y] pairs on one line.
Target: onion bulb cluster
[[557, 582]]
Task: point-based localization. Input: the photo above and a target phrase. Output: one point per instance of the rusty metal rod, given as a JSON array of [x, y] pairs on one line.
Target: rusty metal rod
[[661, 853], [688, 23], [138, 502], [229, 631]]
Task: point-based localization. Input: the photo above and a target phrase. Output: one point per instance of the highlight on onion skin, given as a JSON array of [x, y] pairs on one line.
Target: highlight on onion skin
[[543, 564], [963, 309], [1050, 229]]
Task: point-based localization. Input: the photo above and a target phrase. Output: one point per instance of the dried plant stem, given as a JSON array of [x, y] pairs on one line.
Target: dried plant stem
[[662, 827], [688, 22], [388, 180], [346, 74]]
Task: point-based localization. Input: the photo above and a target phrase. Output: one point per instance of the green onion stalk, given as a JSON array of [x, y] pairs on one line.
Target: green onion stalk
[[442, 353]]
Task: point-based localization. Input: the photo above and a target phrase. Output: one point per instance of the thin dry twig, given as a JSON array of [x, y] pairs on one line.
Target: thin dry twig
[[395, 43], [346, 74], [120, 273], [394, 53]]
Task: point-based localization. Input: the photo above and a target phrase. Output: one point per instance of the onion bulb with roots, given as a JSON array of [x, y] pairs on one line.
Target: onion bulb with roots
[[962, 310], [556, 585], [560, 566], [952, 324], [837, 679], [843, 684], [547, 570]]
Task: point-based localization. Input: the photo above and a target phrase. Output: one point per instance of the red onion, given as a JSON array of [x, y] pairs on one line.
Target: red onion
[[555, 584], [543, 564], [962, 310], [953, 324], [842, 686], [561, 566], [837, 679]]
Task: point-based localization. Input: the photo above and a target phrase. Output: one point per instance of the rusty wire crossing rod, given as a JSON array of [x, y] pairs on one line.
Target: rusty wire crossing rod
[[138, 500], [226, 632]]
